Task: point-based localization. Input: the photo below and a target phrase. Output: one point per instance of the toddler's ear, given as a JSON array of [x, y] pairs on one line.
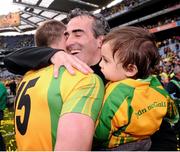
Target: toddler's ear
[[131, 70]]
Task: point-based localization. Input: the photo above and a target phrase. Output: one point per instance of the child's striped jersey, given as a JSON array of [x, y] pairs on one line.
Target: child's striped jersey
[[132, 110]]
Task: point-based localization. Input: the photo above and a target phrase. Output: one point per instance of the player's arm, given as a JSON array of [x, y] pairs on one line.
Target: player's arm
[[79, 113], [25, 59], [75, 132]]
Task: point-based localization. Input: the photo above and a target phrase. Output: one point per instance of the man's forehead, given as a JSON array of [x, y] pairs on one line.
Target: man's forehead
[[79, 21]]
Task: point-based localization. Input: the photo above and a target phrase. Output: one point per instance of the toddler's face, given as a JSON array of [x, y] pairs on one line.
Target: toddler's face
[[110, 66]]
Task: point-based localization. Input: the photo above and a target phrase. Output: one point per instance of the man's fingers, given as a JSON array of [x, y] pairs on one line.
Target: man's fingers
[[56, 70], [85, 66], [81, 66], [69, 61], [70, 69]]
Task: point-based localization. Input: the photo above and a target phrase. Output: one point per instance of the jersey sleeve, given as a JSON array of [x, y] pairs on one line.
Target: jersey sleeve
[[84, 95], [25, 59]]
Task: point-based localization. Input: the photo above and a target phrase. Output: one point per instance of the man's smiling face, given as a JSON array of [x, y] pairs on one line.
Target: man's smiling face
[[80, 39]]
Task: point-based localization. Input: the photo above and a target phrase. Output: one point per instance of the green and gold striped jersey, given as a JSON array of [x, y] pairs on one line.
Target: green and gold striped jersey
[[42, 100], [132, 110]]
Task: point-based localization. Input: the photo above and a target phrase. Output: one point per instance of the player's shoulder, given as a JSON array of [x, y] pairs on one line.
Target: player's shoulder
[[81, 75], [39, 72]]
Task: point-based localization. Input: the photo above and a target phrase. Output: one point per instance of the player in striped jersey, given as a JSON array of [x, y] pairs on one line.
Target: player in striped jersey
[[135, 102], [45, 107]]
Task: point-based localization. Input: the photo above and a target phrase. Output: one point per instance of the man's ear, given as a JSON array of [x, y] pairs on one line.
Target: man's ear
[[131, 70], [100, 39]]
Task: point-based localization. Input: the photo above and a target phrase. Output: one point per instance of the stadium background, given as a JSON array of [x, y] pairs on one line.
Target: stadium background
[[160, 17]]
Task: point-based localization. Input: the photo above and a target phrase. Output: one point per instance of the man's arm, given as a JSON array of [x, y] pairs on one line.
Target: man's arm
[[25, 59], [75, 132]]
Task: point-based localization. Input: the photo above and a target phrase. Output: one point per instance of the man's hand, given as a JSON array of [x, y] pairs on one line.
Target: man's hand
[[62, 58]]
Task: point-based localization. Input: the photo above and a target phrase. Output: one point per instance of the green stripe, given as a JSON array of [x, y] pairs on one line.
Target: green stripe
[[129, 92], [79, 106], [98, 101], [155, 84], [112, 104], [55, 104]]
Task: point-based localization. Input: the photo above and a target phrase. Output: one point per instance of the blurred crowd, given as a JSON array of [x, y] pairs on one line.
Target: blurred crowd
[[163, 21], [122, 7], [170, 57], [11, 84], [127, 5], [13, 42]]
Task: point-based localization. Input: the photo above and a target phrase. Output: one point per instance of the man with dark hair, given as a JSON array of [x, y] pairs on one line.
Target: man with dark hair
[[25, 59]]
